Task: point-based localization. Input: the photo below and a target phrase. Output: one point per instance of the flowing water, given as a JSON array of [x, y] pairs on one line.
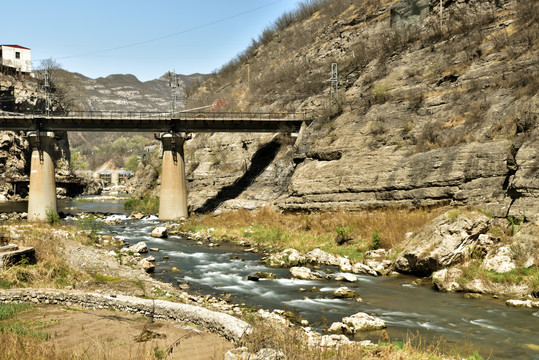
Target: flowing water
[[497, 331]]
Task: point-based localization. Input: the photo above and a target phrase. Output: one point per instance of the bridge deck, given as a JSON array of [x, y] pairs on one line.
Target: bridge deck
[[155, 122]]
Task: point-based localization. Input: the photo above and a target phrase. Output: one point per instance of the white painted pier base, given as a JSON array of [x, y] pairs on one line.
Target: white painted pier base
[[173, 198], [42, 193]]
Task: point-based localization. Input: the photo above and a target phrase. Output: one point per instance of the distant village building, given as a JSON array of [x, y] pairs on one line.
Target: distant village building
[[15, 57], [115, 177]]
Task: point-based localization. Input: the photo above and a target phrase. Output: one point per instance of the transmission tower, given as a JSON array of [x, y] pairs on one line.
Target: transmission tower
[[47, 92], [334, 85], [174, 83]]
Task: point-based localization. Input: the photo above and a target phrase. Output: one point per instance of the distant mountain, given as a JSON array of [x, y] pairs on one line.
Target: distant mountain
[[127, 93]]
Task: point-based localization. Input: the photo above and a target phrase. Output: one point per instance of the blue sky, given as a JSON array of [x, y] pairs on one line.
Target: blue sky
[[144, 38]]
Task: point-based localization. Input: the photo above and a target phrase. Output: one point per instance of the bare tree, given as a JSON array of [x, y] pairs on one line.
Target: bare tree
[[66, 92]]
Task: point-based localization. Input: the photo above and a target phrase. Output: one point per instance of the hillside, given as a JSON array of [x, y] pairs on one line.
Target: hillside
[[424, 114]]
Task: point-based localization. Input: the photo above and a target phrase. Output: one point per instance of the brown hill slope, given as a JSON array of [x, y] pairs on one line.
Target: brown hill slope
[[426, 114]]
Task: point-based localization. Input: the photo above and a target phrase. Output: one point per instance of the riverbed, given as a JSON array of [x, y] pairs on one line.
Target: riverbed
[[410, 311]]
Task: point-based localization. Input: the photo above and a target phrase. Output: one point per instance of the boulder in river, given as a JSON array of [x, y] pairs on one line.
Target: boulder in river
[[321, 257], [159, 232], [345, 293], [345, 265], [356, 323], [346, 277], [286, 257], [262, 275], [139, 247], [137, 215], [445, 242], [304, 273], [147, 266], [447, 279], [360, 268], [363, 322]]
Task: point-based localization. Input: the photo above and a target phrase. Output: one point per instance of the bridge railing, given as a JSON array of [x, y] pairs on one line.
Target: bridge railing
[[134, 115]]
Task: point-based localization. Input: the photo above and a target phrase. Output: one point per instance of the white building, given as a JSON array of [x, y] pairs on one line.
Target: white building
[[16, 57]]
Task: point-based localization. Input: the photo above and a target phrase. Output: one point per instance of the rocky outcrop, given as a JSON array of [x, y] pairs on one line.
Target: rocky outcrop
[[524, 184], [446, 241], [14, 161], [409, 14]]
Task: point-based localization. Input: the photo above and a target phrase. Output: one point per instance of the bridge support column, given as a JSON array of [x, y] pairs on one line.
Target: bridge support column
[[173, 198], [42, 193]]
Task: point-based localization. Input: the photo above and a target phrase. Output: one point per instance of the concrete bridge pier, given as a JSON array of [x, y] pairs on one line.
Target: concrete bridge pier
[[173, 198], [42, 192]]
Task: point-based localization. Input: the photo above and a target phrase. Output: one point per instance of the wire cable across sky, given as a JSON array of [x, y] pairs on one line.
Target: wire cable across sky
[[191, 29]]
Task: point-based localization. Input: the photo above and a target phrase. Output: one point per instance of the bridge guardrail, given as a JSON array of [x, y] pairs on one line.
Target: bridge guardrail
[[132, 115]]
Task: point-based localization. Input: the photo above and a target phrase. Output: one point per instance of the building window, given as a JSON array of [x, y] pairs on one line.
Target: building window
[[17, 55], [0, 53]]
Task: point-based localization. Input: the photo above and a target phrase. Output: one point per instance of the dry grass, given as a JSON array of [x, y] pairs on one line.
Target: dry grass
[[50, 270], [293, 344], [306, 231]]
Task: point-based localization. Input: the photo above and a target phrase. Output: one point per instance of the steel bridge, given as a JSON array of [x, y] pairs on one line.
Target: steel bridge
[[156, 122], [172, 129]]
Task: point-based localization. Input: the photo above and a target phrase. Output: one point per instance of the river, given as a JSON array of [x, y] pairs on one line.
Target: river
[[486, 325]]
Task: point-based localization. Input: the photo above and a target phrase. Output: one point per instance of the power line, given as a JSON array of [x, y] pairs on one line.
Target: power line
[[166, 36]]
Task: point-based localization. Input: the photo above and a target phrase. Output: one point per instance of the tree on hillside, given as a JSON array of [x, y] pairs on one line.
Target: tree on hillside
[[65, 92]]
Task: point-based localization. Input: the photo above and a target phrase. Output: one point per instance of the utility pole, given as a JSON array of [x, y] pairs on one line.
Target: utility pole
[[248, 74], [47, 92], [334, 85], [441, 13], [174, 84]]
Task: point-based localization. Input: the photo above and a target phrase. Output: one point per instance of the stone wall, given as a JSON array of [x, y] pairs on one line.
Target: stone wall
[[225, 325]]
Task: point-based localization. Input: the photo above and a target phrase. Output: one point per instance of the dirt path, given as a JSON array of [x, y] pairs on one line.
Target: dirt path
[[105, 334]]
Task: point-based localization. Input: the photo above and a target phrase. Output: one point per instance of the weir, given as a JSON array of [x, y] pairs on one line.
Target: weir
[[173, 130]]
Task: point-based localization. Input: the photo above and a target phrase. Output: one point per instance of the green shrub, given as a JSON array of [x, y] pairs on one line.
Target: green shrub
[[344, 234], [52, 216], [375, 239], [146, 204], [514, 224], [132, 163]]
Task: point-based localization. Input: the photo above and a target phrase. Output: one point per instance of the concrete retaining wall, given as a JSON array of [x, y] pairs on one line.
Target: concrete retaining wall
[[225, 325]]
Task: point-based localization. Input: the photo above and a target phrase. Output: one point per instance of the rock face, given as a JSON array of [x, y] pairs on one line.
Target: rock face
[[501, 261], [409, 14], [446, 241], [428, 123]]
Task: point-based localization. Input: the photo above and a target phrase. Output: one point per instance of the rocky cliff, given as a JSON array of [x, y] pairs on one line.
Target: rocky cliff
[[426, 114], [14, 147]]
